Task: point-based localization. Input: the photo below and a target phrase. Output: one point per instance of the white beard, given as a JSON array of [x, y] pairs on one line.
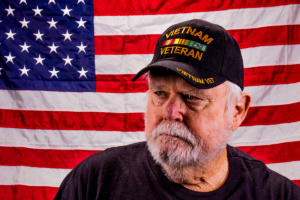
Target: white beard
[[191, 152]]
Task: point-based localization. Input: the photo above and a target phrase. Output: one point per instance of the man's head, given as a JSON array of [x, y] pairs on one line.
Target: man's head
[[195, 100]]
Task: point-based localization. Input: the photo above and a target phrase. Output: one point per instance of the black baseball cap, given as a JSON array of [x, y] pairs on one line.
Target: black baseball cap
[[200, 52]]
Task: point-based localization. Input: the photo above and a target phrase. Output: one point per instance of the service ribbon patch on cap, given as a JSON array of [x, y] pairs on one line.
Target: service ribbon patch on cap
[[185, 42]]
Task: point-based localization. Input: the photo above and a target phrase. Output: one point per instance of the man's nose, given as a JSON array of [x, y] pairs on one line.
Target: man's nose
[[174, 110]]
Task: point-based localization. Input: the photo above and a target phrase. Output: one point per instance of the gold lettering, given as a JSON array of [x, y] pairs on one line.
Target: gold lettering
[[209, 80], [172, 49], [183, 28], [200, 80], [184, 73], [162, 50], [199, 34], [190, 30], [170, 34], [179, 69], [177, 48], [199, 55], [176, 31], [206, 39], [167, 50], [191, 53], [184, 50]]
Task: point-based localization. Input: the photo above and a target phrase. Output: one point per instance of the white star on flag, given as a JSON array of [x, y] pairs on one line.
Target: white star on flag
[[0, 71], [39, 60], [9, 58], [38, 35], [66, 11], [24, 23], [53, 48], [25, 47], [53, 72], [10, 11], [81, 48], [82, 73], [80, 23], [80, 1], [52, 23], [23, 1], [68, 60], [10, 35], [67, 36], [37, 11], [24, 71], [51, 1]]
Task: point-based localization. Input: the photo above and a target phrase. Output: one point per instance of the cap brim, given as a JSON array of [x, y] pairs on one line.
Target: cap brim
[[200, 78]]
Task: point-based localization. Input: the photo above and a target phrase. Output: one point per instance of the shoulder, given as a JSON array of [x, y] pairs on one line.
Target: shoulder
[[101, 171], [262, 179]]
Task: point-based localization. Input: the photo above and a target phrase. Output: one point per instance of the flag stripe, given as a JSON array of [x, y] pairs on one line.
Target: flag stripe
[[68, 159], [72, 120], [99, 140], [265, 135], [33, 176], [287, 169], [252, 57], [271, 75], [157, 7], [275, 153], [268, 75], [65, 139], [232, 19], [27, 192], [262, 115], [267, 115], [48, 158], [145, 44], [73, 101], [127, 102]]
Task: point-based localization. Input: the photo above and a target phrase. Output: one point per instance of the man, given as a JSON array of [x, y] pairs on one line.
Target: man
[[195, 102]]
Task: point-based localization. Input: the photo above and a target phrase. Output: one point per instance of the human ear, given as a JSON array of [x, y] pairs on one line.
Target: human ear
[[241, 109]]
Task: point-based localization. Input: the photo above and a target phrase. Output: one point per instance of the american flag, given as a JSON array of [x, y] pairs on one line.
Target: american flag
[[66, 90]]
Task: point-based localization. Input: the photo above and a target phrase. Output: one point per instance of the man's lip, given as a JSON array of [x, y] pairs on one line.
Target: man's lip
[[178, 137]]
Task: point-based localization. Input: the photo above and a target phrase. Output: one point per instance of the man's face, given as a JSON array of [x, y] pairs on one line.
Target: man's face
[[185, 125]]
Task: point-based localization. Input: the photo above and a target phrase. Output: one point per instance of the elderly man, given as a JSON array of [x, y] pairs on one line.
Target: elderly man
[[195, 102]]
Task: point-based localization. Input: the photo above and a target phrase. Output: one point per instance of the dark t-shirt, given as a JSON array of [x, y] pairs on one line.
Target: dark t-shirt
[[129, 172]]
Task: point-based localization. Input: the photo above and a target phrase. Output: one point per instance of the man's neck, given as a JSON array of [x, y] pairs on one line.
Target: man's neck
[[205, 178]]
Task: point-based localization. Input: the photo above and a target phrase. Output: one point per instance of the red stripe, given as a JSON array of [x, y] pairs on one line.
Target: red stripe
[[49, 158], [268, 75], [297, 182], [145, 44], [276, 153], [132, 7], [272, 75], [268, 115], [71, 120], [120, 84], [14, 192]]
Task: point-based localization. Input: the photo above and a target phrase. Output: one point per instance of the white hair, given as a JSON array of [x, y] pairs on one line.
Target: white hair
[[233, 95]]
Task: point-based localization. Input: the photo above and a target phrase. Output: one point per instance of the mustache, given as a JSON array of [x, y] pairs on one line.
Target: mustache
[[178, 130]]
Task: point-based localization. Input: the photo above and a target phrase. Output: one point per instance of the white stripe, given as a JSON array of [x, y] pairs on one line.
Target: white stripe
[[229, 19], [271, 55], [125, 102], [73, 101], [100, 140], [32, 176], [253, 57], [265, 134], [67, 139], [287, 169], [267, 95]]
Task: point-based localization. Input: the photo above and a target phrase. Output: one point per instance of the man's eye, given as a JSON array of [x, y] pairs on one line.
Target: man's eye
[[159, 93], [190, 97]]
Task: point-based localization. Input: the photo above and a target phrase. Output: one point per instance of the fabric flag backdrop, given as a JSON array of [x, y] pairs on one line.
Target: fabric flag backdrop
[[65, 89]]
